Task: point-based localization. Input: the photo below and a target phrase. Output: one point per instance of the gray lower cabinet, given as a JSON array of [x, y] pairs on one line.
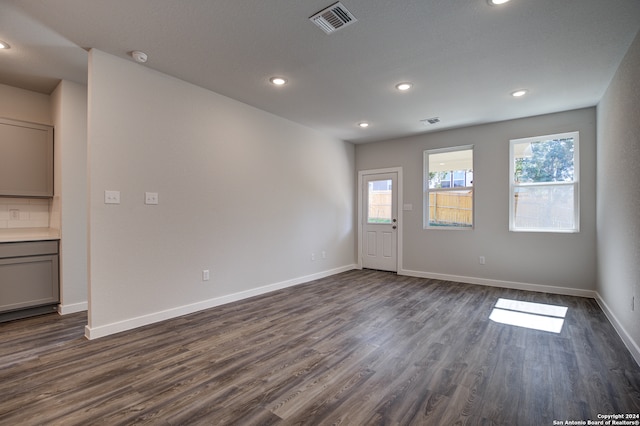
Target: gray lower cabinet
[[28, 279]]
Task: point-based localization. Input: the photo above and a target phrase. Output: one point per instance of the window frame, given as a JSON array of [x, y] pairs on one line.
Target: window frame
[[426, 190], [575, 184]]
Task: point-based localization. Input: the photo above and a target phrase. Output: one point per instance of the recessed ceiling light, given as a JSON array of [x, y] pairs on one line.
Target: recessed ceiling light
[[519, 93], [497, 2], [363, 124], [4, 45], [404, 86], [278, 81]]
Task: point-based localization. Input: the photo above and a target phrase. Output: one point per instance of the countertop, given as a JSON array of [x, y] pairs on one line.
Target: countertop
[[28, 234]]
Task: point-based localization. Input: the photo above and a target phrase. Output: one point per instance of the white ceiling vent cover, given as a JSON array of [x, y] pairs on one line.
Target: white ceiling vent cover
[[333, 18], [432, 120]]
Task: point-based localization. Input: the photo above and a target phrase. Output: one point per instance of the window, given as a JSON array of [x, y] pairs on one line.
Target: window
[[448, 188], [544, 183]]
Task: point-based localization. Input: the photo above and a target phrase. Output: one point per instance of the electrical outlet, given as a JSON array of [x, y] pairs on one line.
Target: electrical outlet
[[151, 198], [481, 260], [324, 254], [313, 257], [14, 214], [205, 275]]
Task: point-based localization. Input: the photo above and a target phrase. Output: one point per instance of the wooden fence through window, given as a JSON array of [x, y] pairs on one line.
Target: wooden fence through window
[[451, 208], [445, 208], [380, 206]]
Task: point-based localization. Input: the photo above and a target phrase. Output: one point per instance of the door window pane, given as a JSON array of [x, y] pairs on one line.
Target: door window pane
[[379, 200]]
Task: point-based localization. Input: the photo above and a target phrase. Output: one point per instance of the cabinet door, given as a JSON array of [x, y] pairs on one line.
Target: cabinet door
[[26, 159], [28, 281]]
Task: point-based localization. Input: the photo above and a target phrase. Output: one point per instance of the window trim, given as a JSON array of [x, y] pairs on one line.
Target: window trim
[[426, 189], [575, 183]]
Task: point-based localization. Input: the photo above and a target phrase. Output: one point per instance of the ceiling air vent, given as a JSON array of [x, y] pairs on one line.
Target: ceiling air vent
[[333, 18], [432, 120]]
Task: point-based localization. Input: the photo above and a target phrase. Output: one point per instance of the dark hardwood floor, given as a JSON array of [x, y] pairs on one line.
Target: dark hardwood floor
[[358, 348]]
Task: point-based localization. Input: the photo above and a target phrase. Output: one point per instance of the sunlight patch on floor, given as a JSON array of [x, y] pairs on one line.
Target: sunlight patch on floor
[[537, 316]]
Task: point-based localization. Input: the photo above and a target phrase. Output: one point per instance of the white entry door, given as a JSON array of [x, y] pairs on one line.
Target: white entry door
[[380, 221]]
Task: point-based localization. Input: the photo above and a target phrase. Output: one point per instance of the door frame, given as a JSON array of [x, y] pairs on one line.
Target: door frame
[[361, 175]]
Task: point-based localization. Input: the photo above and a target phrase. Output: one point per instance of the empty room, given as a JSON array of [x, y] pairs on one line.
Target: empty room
[[362, 212]]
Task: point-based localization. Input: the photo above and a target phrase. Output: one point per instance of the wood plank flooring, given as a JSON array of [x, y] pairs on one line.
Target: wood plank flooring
[[358, 348]]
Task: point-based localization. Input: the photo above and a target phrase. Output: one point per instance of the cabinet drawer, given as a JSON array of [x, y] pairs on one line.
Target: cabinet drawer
[[31, 248]]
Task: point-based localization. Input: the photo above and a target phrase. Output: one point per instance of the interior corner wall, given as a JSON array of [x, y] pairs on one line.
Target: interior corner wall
[[562, 263], [69, 210], [242, 193], [618, 229]]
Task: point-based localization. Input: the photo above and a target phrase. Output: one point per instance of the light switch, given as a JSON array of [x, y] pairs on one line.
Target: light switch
[[112, 197], [151, 198]]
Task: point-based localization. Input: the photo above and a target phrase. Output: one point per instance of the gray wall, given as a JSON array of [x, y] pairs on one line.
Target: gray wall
[[619, 198], [243, 193], [565, 262]]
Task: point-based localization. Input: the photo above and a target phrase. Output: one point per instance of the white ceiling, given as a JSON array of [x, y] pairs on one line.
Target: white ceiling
[[464, 57]]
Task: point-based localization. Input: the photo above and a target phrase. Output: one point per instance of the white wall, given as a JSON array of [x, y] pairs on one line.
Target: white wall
[[243, 193], [69, 206], [563, 263], [619, 199]]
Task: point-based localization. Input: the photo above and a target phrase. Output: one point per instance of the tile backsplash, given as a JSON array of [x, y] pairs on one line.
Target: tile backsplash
[[24, 213]]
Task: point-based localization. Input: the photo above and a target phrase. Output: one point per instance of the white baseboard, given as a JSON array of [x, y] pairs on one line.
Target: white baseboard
[[72, 308], [504, 284], [131, 323], [622, 332]]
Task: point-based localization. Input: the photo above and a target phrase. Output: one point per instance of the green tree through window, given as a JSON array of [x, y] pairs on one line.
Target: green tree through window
[[549, 161]]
